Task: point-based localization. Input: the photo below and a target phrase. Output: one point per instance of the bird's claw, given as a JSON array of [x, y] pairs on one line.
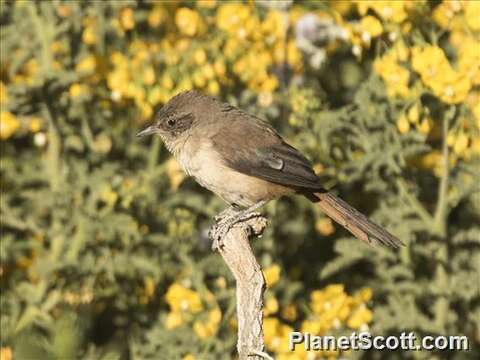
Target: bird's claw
[[217, 234], [228, 212], [224, 222]]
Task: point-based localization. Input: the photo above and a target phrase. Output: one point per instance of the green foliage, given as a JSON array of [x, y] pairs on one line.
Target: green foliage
[[431, 285], [96, 225]]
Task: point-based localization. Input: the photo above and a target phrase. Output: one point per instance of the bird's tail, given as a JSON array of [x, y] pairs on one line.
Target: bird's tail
[[354, 221]]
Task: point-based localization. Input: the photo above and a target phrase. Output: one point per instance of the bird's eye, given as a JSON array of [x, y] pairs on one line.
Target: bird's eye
[[171, 122]]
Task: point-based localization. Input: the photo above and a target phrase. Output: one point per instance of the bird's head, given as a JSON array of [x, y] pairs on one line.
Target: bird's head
[[174, 120]]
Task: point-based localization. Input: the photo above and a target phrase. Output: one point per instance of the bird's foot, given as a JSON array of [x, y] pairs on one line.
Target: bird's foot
[[230, 211], [226, 220]]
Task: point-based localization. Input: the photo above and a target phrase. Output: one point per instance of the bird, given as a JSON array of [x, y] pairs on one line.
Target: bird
[[244, 160]]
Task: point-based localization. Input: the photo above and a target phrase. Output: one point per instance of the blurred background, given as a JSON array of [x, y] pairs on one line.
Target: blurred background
[[104, 252]]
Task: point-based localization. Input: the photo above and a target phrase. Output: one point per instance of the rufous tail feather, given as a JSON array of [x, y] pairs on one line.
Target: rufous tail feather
[[355, 222]]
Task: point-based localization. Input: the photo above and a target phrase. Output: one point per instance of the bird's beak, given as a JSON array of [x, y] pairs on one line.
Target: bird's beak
[[148, 131]]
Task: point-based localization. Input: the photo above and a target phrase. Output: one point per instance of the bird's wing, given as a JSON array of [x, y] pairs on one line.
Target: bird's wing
[[263, 153]]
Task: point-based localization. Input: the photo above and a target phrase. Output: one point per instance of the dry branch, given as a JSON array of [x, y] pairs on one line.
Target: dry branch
[[250, 286]]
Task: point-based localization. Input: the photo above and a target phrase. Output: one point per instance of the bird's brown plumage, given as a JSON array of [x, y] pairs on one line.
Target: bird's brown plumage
[[245, 161]]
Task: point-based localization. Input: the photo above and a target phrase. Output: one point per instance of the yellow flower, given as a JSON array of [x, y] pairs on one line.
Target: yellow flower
[[311, 326], [64, 10], [35, 124], [57, 47], [341, 7], [436, 72], [77, 90], [364, 294], [200, 56], [87, 64], [476, 145], [208, 4], [149, 287], [271, 306], [89, 35], [428, 61], [8, 124], [403, 125], [461, 144], [274, 25], [183, 85], [444, 13], [167, 82], [187, 21], [31, 69], [215, 316], [3, 93], [221, 283], [118, 59], [425, 125], [117, 81], [231, 48], [396, 77], [270, 326], [127, 20], [182, 299], [476, 113], [360, 317], [156, 16], [294, 56], [6, 353], [198, 79], [231, 17], [201, 330], [109, 196], [430, 161], [328, 302], [324, 226], [451, 139], [469, 58], [371, 25], [189, 357], [146, 109], [213, 87], [400, 51], [208, 71], [276, 334], [413, 114], [174, 173], [209, 328], [472, 15], [391, 10], [219, 67], [174, 320], [451, 86], [135, 91], [270, 84], [272, 275], [148, 76], [182, 44], [240, 67]]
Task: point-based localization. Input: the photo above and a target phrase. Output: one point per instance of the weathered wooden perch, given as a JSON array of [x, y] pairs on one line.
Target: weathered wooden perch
[[239, 257]]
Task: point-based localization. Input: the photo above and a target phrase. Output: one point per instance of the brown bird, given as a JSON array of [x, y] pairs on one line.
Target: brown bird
[[242, 159]]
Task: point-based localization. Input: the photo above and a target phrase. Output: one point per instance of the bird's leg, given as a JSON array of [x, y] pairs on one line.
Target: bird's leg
[[227, 219], [229, 211]]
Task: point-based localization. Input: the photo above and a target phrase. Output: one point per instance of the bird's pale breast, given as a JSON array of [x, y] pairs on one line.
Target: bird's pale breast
[[207, 167]]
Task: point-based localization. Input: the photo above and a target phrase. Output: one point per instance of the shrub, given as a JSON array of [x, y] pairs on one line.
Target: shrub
[[104, 253]]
